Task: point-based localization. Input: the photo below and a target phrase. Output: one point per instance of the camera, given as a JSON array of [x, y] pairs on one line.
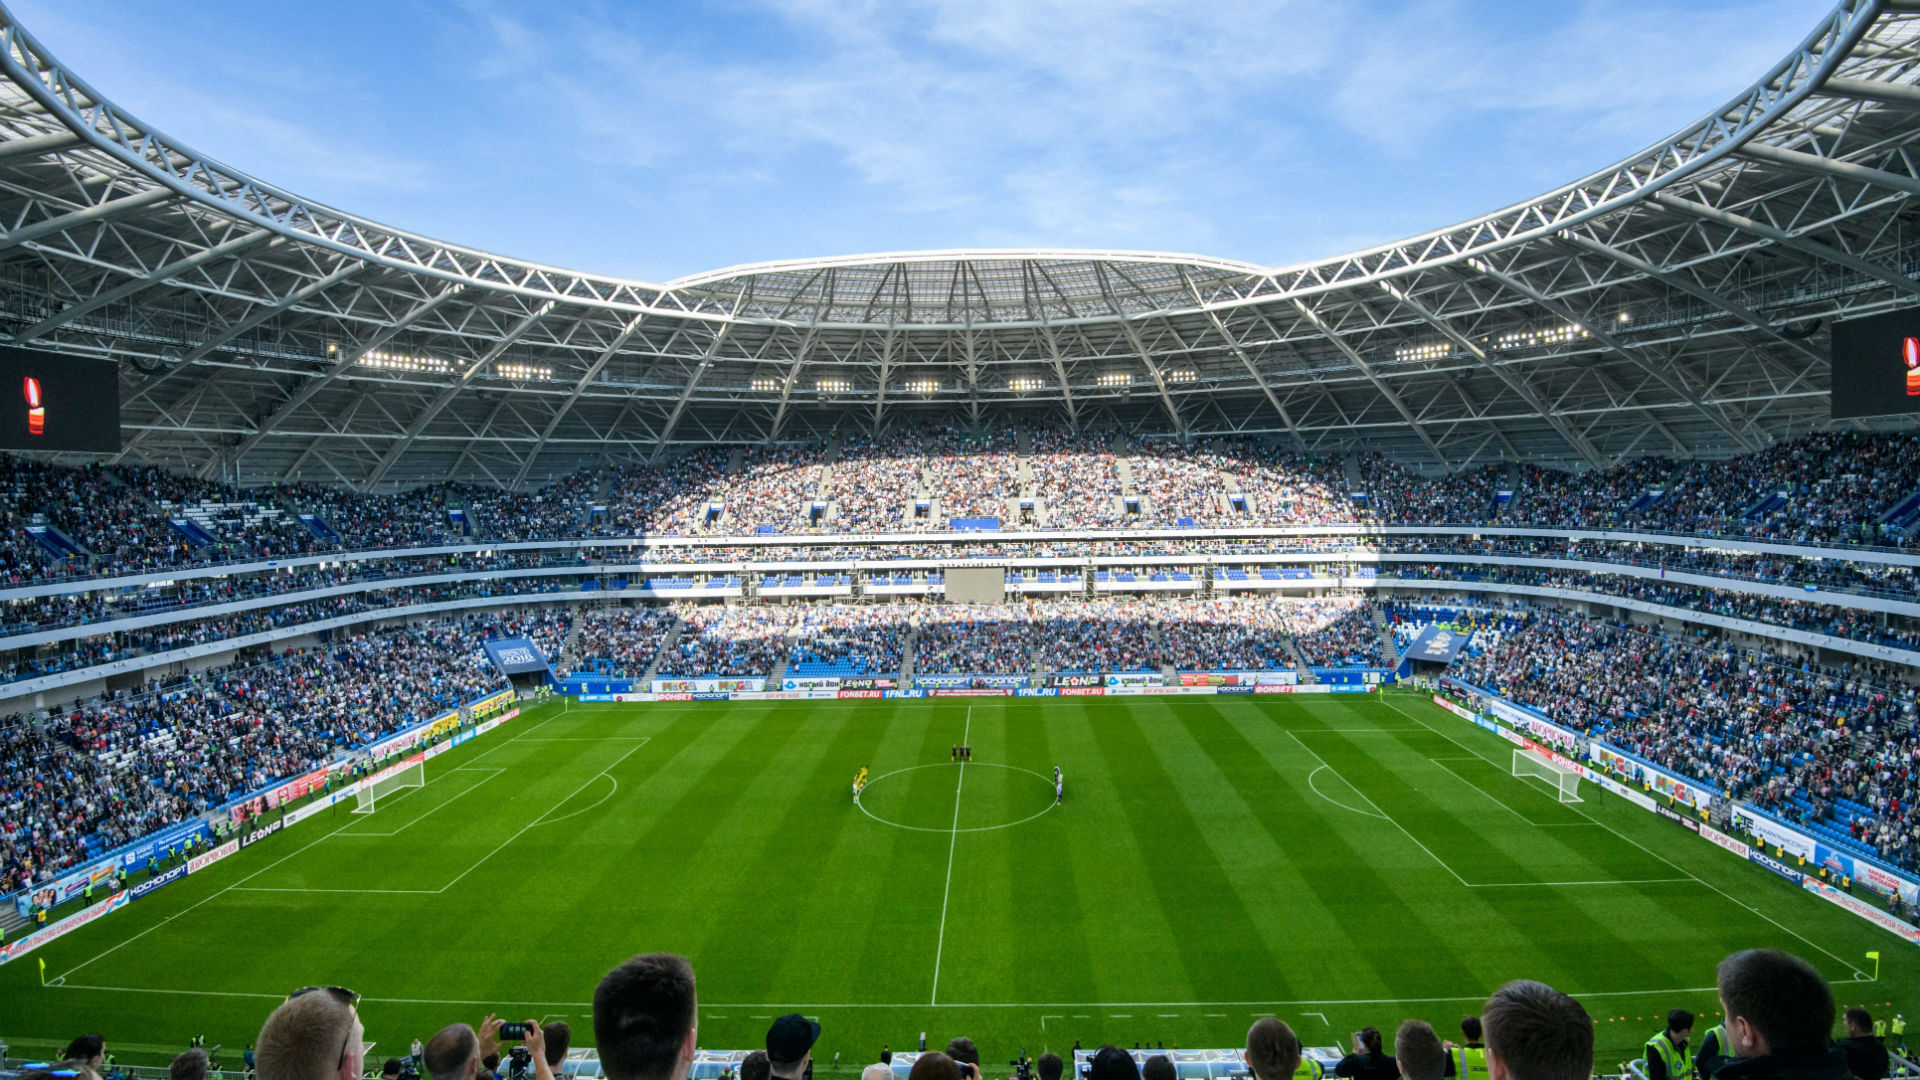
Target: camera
[[1022, 1067], [519, 1059], [514, 1029]]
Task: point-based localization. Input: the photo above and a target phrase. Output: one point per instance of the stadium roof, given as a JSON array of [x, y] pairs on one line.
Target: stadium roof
[[1673, 304]]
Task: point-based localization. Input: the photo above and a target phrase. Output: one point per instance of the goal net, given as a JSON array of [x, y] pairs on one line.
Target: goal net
[[382, 785], [1563, 780]]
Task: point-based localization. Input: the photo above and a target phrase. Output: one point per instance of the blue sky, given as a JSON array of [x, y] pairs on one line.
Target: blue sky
[[654, 140]]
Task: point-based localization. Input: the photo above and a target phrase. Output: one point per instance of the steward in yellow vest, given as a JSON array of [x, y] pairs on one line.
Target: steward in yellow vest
[[1468, 1062], [1667, 1051], [1712, 1051]]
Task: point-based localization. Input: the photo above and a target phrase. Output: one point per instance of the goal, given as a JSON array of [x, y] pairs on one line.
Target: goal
[[1562, 779], [381, 785]]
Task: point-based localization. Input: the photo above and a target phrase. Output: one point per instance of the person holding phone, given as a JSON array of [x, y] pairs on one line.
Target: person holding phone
[[1367, 1061]]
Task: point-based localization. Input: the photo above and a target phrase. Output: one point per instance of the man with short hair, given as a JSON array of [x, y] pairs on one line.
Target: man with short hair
[[1112, 1063], [558, 1036], [191, 1065], [454, 1053], [1666, 1052], [1159, 1067], [962, 1050], [645, 1019], [1273, 1050], [1779, 1017], [1535, 1032], [1049, 1066], [1418, 1051], [314, 1035], [1468, 1061], [876, 1071], [754, 1066], [790, 1045], [1866, 1051]]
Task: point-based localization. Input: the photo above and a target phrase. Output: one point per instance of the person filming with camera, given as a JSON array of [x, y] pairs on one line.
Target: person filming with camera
[[458, 1052]]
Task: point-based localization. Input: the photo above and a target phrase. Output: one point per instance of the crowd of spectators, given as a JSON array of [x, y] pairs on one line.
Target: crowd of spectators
[[848, 641], [618, 642], [1225, 635], [728, 641], [1076, 477], [1334, 632], [1778, 1024], [981, 638], [1829, 488], [90, 777], [1495, 560], [1786, 734]]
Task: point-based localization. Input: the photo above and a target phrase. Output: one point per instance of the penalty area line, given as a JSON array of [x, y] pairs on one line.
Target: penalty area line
[[1858, 974]]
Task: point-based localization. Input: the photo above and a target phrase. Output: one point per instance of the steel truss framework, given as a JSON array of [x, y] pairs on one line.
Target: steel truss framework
[[1673, 304]]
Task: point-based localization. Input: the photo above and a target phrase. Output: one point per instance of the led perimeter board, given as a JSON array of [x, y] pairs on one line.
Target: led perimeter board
[[1876, 365], [58, 403]]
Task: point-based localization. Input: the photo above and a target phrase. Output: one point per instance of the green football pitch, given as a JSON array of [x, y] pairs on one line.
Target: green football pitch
[[1337, 861]]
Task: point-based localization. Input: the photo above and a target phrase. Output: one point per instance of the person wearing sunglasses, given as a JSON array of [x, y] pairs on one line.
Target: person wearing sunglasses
[[315, 1034]]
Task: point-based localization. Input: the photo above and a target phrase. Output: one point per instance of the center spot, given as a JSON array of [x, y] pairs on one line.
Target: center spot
[[991, 796]]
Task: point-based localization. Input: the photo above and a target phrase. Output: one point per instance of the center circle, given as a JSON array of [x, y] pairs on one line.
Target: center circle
[[1009, 798]]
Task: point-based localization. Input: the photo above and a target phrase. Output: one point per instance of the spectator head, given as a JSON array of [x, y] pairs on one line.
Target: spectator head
[[1273, 1050], [876, 1071], [1470, 1028], [1112, 1063], [1679, 1024], [1369, 1039], [790, 1044], [962, 1051], [559, 1037], [1535, 1032], [313, 1035], [754, 1066], [1859, 1021], [453, 1053], [1418, 1050], [1158, 1067], [1775, 1003], [390, 1069], [644, 1021], [89, 1050], [934, 1066], [1050, 1066], [191, 1065]]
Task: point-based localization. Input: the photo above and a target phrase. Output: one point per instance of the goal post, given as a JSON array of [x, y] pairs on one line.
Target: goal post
[[411, 773], [1564, 781]]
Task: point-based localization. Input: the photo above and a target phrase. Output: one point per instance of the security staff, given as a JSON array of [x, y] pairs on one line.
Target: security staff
[[1469, 1062], [1712, 1051], [1899, 1029], [1667, 1051]]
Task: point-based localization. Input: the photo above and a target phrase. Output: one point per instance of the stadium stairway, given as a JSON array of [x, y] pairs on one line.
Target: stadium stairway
[[1390, 647], [906, 651], [667, 644], [782, 661], [570, 644], [12, 922], [1300, 663]]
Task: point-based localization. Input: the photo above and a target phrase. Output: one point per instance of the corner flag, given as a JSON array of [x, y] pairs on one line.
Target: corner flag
[[43, 971], [1873, 956]]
